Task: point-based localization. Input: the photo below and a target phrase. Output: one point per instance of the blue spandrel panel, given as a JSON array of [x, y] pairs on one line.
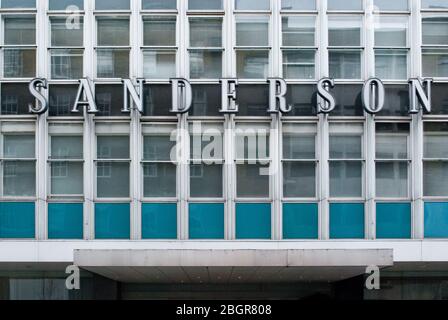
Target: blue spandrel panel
[[65, 221], [253, 221], [393, 221], [436, 219], [206, 221], [300, 221], [159, 221], [347, 221], [17, 220], [112, 221]]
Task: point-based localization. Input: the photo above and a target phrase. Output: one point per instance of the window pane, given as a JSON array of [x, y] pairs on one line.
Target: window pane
[[159, 180], [65, 4], [252, 5], [62, 99], [435, 30], [434, 4], [19, 178], [299, 179], [112, 179], [252, 31], [252, 143], [159, 4], [206, 175], [63, 35], [345, 179], [345, 5], [15, 98], [66, 178], [391, 64], [435, 62], [10, 4], [206, 99], [19, 63], [205, 4], [345, 64], [159, 31], [158, 148], [206, 32], [298, 145], [20, 31], [391, 31], [391, 147], [298, 4], [252, 64], [392, 180], [109, 100], [298, 31], [157, 100], [159, 64], [251, 183], [395, 5], [299, 64], [113, 32], [345, 147], [435, 179], [436, 140], [112, 5], [19, 147], [344, 31], [205, 64], [113, 147], [112, 63], [66, 64], [66, 147]]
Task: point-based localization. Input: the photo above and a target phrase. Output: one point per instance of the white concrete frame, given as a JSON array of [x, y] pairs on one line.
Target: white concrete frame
[[229, 121]]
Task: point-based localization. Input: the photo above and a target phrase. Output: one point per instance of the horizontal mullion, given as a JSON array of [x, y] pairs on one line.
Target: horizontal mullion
[[159, 161], [112, 160], [18, 159], [300, 160], [206, 48]]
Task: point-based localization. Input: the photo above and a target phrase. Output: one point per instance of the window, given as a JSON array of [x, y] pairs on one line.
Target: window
[[252, 5], [206, 48], [112, 47], [345, 46], [18, 4], [387, 5], [299, 160], [299, 47], [206, 160], [391, 47], [66, 63], [346, 160], [113, 160], [15, 98], [345, 5], [299, 5], [252, 160], [160, 47], [19, 53], [392, 160], [205, 4], [159, 4], [435, 159], [252, 47], [434, 52], [159, 162], [19, 160], [63, 5], [66, 159], [112, 5]]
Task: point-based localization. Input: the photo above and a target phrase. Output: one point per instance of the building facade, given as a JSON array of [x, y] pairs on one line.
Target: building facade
[[315, 197]]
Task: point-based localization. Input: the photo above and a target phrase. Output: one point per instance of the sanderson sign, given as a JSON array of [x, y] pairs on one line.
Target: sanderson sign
[[373, 95]]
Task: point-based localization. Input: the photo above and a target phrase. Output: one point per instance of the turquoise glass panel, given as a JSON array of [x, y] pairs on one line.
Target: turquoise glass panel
[[300, 221], [393, 220], [347, 221], [159, 221], [17, 220], [206, 221], [65, 221], [112, 221], [253, 221], [436, 219]]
